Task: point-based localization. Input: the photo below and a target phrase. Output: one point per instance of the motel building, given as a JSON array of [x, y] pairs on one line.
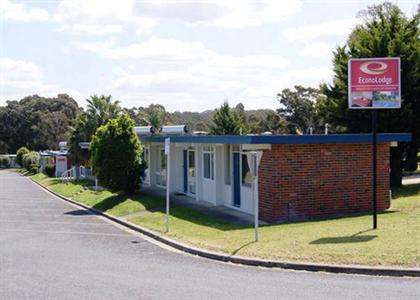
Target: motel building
[[299, 176]]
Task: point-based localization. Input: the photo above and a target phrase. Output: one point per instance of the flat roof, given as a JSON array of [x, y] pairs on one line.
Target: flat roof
[[361, 138]]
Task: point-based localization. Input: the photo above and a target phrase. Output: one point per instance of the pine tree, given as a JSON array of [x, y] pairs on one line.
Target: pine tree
[[225, 122]]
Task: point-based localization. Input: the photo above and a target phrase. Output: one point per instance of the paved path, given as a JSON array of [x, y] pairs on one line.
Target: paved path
[[51, 250], [412, 179]]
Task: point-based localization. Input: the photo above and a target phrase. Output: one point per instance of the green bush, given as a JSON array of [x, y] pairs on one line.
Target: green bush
[[22, 151], [4, 162], [116, 151], [31, 160], [49, 170], [34, 169]]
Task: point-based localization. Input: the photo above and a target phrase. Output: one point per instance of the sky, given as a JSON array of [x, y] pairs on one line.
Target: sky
[[185, 55]]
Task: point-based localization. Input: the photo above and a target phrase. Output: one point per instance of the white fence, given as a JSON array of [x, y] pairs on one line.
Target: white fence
[[84, 173]]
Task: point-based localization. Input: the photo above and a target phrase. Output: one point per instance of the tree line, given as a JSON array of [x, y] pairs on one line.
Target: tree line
[[39, 123]]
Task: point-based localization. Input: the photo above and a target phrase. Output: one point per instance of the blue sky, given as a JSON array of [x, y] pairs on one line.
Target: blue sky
[[186, 55]]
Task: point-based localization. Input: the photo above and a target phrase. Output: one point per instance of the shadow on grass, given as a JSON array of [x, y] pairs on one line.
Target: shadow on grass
[[242, 247], [354, 238], [203, 219], [150, 203], [82, 182]]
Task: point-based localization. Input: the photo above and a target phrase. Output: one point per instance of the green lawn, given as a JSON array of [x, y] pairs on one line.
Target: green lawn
[[112, 203], [349, 240]]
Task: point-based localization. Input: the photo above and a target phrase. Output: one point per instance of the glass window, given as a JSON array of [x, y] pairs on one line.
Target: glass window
[[145, 161], [212, 165], [162, 160], [227, 165], [206, 160], [208, 163], [246, 172], [191, 163]]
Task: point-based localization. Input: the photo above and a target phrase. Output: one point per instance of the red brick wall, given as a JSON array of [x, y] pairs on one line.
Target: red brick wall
[[298, 182]]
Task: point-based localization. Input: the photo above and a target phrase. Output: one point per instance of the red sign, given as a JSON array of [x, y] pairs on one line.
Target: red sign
[[374, 83]]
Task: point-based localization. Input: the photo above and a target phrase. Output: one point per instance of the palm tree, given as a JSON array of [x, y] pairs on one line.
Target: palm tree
[[102, 108]]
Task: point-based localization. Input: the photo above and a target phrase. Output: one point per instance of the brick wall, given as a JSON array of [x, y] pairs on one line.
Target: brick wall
[[297, 182]]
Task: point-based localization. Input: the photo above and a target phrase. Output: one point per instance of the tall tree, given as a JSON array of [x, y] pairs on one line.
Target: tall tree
[[100, 110], [154, 115], [37, 122], [225, 121], [385, 32], [298, 108], [274, 124]]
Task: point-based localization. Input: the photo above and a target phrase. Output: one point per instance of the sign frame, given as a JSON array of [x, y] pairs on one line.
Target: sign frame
[[349, 82]]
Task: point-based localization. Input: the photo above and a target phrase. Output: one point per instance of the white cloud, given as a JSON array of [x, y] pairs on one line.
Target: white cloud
[[176, 52], [98, 17], [19, 73], [93, 29], [186, 90], [19, 78], [227, 14], [311, 32], [202, 79], [316, 49], [160, 49], [144, 15], [10, 11]]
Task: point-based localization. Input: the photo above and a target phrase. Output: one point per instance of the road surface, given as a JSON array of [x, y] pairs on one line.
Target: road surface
[[50, 249]]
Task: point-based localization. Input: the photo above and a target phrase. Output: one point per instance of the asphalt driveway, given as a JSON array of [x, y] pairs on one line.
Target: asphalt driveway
[[50, 249]]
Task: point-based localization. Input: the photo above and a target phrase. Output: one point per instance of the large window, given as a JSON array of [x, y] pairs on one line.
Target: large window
[[227, 165], [162, 160], [208, 163], [145, 160], [161, 170], [246, 172], [191, 163]]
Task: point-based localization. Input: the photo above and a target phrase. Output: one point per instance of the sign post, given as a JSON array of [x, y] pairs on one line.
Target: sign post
[[254, 158], [374, 167], [374, 83], [168, 177]]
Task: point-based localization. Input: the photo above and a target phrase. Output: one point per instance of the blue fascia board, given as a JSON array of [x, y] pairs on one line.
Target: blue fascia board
[[363, 138]]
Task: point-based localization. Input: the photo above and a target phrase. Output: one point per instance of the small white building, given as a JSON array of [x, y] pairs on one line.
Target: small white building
[[217, 173]]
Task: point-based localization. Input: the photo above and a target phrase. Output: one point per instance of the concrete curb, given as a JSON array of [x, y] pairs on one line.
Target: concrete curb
[[312, 267]]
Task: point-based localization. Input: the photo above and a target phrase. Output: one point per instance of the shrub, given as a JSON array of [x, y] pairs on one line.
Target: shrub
[[34, 169], [31, 160], [4, 162], [22, 151], [116, 152], [49, 170]]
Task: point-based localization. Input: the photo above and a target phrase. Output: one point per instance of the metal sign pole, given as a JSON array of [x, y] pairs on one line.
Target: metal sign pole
[[374, 166], [254, 195], [168, 177], [253, 162]]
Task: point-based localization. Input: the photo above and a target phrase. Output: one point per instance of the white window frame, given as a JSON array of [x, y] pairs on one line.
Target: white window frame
[[159, 172], [146, 150], [209, 150], [192, 180]]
